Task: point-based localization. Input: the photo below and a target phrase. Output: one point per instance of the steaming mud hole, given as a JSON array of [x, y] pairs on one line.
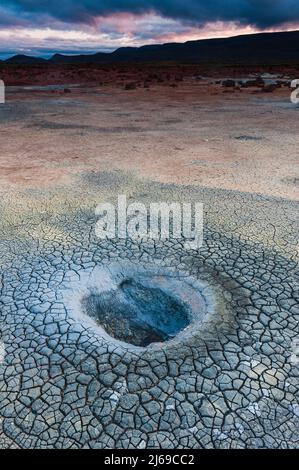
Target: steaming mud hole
[[141, 305], [138, 314]]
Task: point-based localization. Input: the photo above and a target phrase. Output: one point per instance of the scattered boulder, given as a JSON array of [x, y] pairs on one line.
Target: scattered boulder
[[130, 86], [228, 83], [256, 83], [269, 88]]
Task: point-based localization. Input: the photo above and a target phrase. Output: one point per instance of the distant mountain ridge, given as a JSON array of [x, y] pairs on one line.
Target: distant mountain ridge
[[25, 59], [262, 48]]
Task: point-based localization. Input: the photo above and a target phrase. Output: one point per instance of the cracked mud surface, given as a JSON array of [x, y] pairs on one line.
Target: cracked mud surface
[[230, 384], [65, 383]]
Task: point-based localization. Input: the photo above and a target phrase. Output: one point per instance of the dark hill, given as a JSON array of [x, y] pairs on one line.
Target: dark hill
[[24, 60], [254, 49]]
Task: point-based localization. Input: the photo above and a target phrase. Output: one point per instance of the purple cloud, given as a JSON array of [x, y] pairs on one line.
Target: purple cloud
[[259, 13]]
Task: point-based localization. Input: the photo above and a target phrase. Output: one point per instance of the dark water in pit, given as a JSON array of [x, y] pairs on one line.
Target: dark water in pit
[[138, 314]]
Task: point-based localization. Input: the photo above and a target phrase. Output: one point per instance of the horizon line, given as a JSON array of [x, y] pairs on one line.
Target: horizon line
[[97, 51]]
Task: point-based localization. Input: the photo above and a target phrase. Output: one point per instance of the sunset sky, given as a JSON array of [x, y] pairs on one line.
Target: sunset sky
[[39, 27]]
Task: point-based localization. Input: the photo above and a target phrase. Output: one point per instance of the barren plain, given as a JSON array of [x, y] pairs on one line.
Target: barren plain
[[72, 140]]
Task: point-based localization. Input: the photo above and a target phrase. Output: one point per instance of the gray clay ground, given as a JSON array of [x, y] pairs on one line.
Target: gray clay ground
[[231, 383]]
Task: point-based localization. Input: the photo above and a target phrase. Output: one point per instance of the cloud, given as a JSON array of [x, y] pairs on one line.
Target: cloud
[[258, 13], [111, 32], [38, 27]]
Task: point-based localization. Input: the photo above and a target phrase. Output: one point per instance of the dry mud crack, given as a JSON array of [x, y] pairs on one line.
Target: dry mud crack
[[224, 380]]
